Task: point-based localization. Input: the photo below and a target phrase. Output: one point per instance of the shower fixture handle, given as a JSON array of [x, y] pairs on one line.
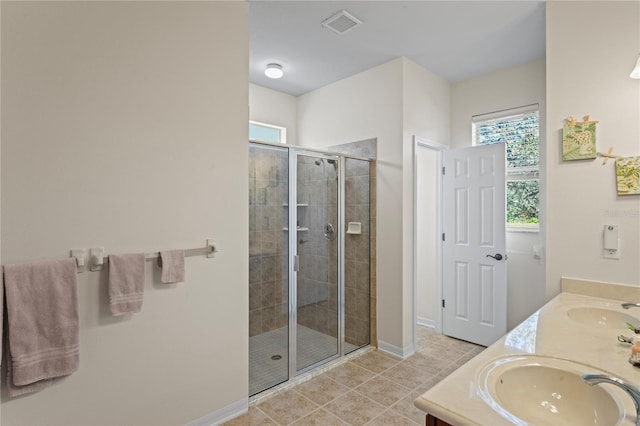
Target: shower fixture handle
[[329, 232]]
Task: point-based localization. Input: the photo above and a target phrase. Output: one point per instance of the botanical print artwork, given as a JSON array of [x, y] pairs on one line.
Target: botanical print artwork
[[579, 141], [628, 175]]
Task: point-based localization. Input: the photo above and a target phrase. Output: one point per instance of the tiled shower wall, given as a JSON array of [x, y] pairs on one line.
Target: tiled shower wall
[[368, 149], [317, 287], [268, 242], [357, 253]]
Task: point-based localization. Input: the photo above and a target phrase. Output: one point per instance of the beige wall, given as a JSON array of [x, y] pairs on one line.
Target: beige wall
[[509, 88], [391, 102], [123, 124], [426, 236], [369, 105], [426, 104], [588, 64], [273, 107]]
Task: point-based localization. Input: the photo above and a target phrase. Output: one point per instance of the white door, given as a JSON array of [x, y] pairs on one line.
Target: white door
[[474, 272]]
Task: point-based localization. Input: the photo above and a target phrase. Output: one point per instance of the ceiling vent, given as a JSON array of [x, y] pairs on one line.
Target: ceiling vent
[[341, 22]]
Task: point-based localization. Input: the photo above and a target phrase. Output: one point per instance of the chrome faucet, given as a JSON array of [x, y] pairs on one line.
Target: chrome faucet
[[634, 392], [628, 305]]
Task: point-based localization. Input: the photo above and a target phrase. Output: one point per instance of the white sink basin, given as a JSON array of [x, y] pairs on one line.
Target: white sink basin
[[546, 391], [601, 318]]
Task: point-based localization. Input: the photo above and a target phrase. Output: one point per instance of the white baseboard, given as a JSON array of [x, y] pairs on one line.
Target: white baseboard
[[426, 322], [222, 415], [402, 353]]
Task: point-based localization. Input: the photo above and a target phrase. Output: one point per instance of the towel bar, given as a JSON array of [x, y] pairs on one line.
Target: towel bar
[[96, 262], [201, 251]]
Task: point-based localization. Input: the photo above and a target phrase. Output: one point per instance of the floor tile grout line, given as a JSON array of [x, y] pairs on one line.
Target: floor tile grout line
[[380, 375], [268, 416], [384, 378], [366, 397], [317, 406], [339, 396], [311, 412], [352, 389], [409, 391], [385, 411]]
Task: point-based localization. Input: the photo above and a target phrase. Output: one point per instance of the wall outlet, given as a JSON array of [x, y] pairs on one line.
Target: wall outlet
[[611, 254]]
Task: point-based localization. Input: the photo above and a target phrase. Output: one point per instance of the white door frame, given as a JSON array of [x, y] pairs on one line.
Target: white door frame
[[439, 148]]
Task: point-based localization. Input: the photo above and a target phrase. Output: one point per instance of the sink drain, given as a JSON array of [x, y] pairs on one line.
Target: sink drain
[[276, 357]]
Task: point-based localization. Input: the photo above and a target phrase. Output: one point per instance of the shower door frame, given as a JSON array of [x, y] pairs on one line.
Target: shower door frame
[[294, 154]]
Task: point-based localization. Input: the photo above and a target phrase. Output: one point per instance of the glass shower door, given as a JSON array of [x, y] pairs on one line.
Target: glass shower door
[[268, 267], [316, 244]]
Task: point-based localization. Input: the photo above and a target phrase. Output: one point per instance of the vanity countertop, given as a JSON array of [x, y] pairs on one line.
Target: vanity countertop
[[550, 332]]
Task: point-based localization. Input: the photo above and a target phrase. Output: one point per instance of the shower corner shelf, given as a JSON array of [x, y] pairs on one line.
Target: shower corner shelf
[[298, 229]]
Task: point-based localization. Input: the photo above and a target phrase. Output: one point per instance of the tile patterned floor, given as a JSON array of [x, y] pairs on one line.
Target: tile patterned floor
[[373, 389]]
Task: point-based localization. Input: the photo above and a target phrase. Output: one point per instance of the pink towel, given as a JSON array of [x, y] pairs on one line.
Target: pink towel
[[126, 283], [43, 327], [172, 262]]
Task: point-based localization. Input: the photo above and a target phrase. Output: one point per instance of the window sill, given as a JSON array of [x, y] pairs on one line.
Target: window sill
[[523, 228]]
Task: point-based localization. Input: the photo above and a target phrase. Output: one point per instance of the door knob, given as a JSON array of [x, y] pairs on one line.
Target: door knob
[[498, 256]]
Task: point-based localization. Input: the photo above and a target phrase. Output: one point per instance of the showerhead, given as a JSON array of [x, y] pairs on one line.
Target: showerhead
[[329, 160]]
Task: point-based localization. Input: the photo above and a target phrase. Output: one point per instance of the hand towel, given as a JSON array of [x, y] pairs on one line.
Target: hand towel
[[172, 262], [42, 323], [126, 283]]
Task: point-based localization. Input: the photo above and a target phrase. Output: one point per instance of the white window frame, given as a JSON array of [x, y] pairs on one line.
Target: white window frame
[[519, 173], [283, 131]]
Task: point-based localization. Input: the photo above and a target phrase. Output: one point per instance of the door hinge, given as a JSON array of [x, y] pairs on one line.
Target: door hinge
[[443, 303], [443, 238], [442, 169], [295, 264]]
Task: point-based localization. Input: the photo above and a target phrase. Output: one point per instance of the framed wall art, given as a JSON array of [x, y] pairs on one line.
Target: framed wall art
[[579, 140], [628, 175]]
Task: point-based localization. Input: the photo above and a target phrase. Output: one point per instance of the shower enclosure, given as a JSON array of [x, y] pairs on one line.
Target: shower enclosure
[[309, 260]]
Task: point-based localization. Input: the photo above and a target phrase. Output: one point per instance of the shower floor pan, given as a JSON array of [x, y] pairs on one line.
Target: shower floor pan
[[268, 355]]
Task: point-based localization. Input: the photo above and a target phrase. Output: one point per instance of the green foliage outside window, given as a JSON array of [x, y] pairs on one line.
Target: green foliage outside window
[[520, 133], [523, 201]]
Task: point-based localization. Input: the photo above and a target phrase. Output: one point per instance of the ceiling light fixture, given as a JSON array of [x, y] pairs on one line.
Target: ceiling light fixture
[[274, 71], [636, 71]]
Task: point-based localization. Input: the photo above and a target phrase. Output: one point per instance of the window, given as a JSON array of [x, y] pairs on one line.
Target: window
[[519, 129], [262, 132]]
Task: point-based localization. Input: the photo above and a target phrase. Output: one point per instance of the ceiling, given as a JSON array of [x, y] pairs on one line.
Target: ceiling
[[456, 40]]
